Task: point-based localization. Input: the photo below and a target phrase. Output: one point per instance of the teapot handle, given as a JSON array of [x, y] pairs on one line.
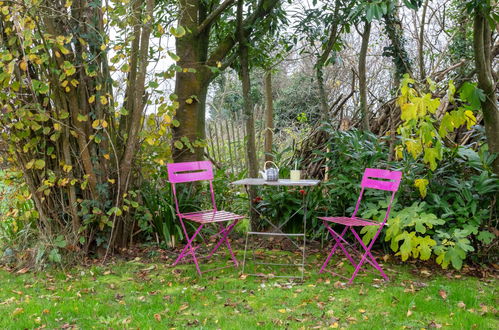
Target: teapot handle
[[269, 161]]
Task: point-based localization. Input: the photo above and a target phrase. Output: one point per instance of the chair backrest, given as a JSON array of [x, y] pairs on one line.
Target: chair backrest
[[190, 172], [380, 180], [390, 182]]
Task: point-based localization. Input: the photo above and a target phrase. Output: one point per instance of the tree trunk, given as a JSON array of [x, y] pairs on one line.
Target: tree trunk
[[248, 109], [422, 73], [319, 72], [364, 110], [396, 50], [269, 116], [482, 45]]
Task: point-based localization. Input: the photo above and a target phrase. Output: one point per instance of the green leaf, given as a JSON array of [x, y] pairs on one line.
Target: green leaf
[[178, 32], [178, 144], [430, 156], [173, 56], [472, 94], [485, 236], [406, 247], [39, 164], [424, 246]]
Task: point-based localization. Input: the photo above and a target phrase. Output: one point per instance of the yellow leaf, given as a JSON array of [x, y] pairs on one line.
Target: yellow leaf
[[67, 168], [98, 87], [95, 123], [398, 152], [64, 50], [111, 181], [282, 310], [470, 118], [104, 123], [408, 111], [103, 100], [188, 101], [91, 99], [421, 185], [23, 65], [106, 156], [167, 119], [57, 126], [103, 47], [414, 148]]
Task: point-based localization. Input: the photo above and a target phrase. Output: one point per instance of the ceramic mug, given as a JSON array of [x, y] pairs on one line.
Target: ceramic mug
[[295, 175]]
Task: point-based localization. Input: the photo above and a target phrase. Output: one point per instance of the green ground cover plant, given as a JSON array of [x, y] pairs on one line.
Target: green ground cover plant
[[149, 294]]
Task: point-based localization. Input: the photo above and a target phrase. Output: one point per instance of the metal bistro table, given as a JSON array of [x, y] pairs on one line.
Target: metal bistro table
[[278, 228]]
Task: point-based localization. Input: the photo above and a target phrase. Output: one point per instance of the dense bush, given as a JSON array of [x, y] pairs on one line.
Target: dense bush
[[450, 216]]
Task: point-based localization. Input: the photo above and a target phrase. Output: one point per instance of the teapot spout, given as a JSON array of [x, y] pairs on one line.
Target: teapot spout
[[264, 176]]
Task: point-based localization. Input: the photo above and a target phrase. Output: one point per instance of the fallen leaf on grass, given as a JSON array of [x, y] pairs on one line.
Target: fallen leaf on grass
[[17, 311], [409, 312], [351, 319], [433, 324], [22, 271], [443, 294], [183, 307], [157, 317], [461, 304]]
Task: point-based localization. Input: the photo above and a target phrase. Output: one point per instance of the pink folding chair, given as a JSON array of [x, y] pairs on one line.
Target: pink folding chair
[[201, 171], [374, 179]]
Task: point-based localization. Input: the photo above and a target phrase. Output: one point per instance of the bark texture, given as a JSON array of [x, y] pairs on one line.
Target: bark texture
[[364, 110], [482, 46]]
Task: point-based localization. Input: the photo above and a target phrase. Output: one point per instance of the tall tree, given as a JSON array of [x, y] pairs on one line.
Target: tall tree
[[269, 115], [364, 109], [248, 105], [202, 54]]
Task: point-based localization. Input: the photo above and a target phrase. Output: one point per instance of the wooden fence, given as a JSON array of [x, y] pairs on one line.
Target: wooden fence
[[227, 140]]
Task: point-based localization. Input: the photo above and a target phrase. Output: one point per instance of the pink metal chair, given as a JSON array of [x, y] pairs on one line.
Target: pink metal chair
[[390, 181], [201, 171]]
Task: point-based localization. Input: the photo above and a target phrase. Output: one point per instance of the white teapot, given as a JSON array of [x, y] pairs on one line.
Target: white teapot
[[270, 174]]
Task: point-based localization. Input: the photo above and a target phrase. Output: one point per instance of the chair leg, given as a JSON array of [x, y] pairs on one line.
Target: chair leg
[[367, 254], [338, 239], [226, 231], [189, 248], [332, 250]]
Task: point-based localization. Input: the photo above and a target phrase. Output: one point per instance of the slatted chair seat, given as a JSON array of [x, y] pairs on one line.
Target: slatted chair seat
[[351, 221], [211, 216]]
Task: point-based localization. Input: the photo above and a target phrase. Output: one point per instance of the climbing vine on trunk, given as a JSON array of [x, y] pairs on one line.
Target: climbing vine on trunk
[[72, 128]]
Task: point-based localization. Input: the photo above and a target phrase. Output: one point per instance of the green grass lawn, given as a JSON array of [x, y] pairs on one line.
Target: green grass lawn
[[152, 294]]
